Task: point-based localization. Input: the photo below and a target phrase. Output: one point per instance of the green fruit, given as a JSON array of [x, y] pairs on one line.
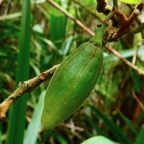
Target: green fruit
[[71, 84]]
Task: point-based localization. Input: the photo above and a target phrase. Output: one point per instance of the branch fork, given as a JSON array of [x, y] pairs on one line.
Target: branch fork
[[122, 26]]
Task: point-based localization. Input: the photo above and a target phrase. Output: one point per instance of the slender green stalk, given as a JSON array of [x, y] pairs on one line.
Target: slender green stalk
[[98, 37], [115, 3], [17, 113]]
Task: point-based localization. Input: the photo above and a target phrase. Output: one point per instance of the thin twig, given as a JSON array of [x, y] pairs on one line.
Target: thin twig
[[26, 86], [92, 34], [137, 100], [124, 60], [85, 28], [135, 57]]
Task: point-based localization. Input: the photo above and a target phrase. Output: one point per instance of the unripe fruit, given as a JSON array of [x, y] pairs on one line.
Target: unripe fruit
[[71, 84]]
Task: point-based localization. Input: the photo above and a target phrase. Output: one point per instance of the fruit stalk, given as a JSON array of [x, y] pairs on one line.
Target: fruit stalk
[[72, 82]]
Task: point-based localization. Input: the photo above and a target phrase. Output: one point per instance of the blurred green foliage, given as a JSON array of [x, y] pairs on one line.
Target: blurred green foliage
[[53, 37]]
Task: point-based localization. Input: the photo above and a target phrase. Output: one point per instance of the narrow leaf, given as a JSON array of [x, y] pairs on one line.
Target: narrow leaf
[[121, 137], [18, 111], [31, 134], [140, 138], [129, 124]]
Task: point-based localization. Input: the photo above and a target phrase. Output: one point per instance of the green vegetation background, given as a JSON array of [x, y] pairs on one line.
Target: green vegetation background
[[36, 36]]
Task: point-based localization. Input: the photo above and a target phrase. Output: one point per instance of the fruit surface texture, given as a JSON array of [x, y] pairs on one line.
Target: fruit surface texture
[[71, 84]]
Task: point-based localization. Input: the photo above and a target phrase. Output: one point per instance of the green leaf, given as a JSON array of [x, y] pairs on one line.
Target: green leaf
[[10, 16], [129, 123], [140, 138], [31, 134], [18, 110], [95, 126], [131, 1], [137, 81], [88, 2], [98, 140], [57, 29], [121, 137], [60, 139]]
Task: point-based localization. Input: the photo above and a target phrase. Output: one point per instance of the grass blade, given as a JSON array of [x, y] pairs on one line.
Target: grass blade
[[140, 138], [121, 137], [18, 111], [32, 130], [95, 126], [129, 123]]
